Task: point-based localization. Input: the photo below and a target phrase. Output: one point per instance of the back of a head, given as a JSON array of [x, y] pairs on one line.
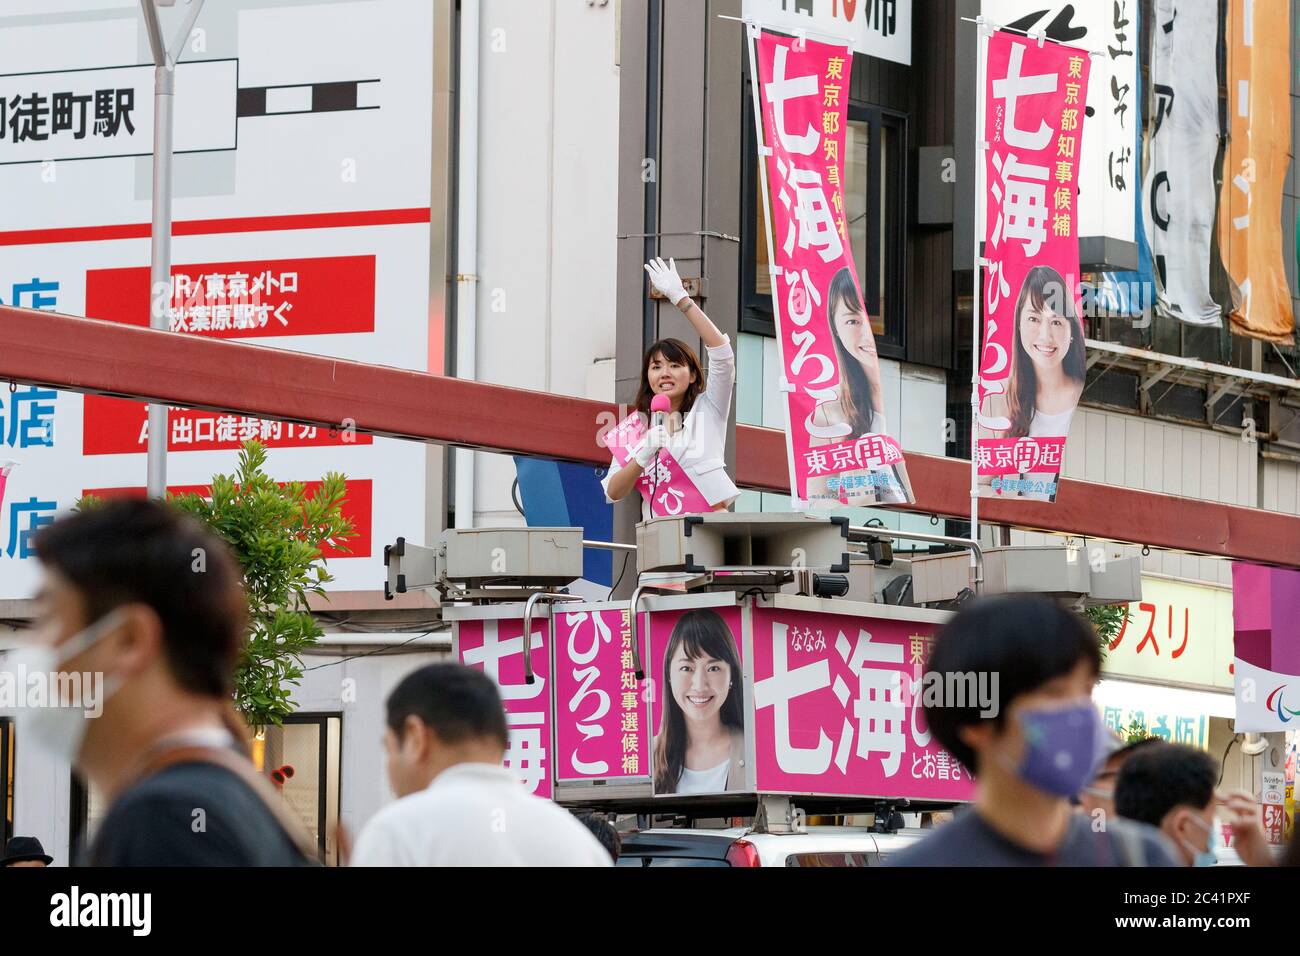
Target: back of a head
[[1025, 640], [603, 830], [132, 551], [460, 704], [1161, 777]]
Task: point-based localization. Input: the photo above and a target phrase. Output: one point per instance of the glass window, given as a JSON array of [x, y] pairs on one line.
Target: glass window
[[302, 759], [831, 859], [874, 194]]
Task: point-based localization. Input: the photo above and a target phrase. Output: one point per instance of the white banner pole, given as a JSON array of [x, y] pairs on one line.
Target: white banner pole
[[977, 310]]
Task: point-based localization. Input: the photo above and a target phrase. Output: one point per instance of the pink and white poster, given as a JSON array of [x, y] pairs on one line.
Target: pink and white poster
[[838, 444], [837, 708], [600, 720], [695, 685], [496, 647], [1032, 361]]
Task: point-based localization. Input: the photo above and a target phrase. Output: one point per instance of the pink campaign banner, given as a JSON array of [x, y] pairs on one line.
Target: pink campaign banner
[[837, 708], [496, 647], [1032, 362], [695, 685], [837, 441], [666, 486], [600, 721]]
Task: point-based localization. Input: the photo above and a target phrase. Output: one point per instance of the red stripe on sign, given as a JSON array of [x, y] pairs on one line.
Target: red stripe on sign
[[358, 506], [246, 300], [206, 227], [119, 426]]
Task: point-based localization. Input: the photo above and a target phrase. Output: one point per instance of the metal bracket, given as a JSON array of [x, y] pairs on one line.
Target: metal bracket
[[528, 626], [776, 814]]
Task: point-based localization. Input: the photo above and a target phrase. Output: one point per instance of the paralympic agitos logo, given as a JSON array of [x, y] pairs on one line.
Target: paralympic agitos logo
[[1284, 714]]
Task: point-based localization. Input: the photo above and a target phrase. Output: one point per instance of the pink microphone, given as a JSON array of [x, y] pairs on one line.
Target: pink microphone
[[660, 406]]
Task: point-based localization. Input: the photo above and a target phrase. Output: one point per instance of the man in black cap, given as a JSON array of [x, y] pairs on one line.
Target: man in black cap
[[25, 851]]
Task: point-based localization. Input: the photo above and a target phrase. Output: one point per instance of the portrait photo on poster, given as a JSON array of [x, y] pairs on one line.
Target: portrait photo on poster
[[1048, 370], [699, 744], [857, 404]]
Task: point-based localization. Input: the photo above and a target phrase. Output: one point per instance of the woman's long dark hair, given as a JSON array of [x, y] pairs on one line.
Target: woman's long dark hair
[[672, 350], [855, 390], [1042, 287], [702, 633]]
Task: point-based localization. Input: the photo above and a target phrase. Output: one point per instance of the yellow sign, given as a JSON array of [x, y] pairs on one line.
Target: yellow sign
[[1178, 633]]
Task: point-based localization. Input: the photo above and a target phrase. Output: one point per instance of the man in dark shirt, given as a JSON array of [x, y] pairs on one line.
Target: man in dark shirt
[[147, 607], [1031, 747]]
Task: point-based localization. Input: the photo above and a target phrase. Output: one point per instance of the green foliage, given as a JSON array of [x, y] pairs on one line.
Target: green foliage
[[276, 532], [1107, 619], [1135, 731]]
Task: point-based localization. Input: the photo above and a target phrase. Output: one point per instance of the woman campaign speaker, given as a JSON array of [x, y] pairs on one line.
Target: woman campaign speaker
[[677, 461]]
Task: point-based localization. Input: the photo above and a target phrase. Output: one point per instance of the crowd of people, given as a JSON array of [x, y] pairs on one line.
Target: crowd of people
[[170, 756]]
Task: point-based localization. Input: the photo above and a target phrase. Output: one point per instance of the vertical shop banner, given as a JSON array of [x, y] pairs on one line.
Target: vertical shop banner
[[1266, 647], [301, 203], [837, 441], [1032, 360], [600, 723], [1179, 187], [1131, 292], [496, 647], [1110, 172], [838, 708], [1258, 154]]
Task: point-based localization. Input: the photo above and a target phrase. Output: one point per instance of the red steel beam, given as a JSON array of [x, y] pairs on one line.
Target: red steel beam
[[87, 355]]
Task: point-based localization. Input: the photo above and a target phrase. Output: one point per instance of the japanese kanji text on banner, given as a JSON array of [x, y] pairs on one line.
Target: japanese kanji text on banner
[[837, 440], [1032, 362]]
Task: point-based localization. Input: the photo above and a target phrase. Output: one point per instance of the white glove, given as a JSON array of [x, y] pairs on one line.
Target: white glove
[[655, 439], [664, 277]]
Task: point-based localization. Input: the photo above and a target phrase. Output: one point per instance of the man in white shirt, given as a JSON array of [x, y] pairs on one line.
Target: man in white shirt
[[457, 805]]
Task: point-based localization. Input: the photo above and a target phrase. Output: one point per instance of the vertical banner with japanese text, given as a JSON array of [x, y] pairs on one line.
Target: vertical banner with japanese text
[[1257, 157], [600, 721], [837, 441], [1032, 357], [1178, 188], [496, 647]]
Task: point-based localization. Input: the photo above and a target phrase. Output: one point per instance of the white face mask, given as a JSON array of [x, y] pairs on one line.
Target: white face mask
[[61, 730]]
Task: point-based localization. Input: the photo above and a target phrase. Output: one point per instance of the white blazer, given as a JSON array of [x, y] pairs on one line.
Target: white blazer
[[701, 442]]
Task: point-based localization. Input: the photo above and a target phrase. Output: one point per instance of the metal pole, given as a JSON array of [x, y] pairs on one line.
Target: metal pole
[[981, 55], [160, 245]]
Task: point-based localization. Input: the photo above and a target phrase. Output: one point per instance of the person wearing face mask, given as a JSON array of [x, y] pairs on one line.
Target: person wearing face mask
[[457, 805], [1099, 795], [1031, 748], [1172, 786], [694, 434], [155, 637]]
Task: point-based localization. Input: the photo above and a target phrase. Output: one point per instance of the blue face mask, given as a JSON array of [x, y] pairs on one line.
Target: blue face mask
[[1064, 746], [1206, 857]]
